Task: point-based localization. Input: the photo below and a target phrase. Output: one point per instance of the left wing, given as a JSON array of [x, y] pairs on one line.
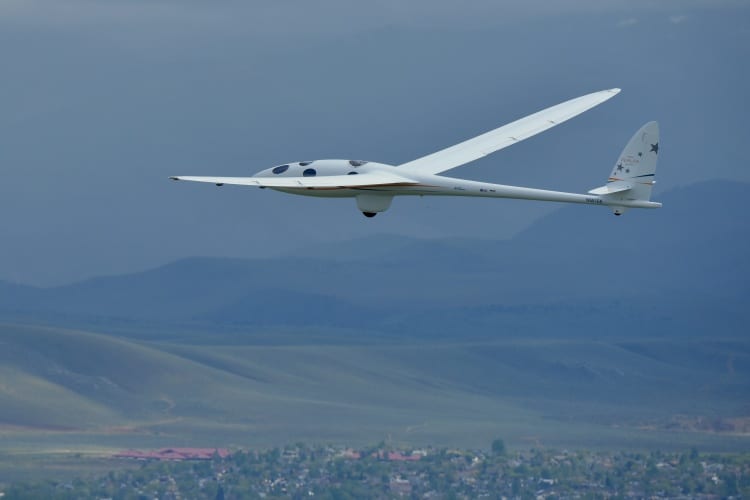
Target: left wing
[[320, 182], [502, 137]]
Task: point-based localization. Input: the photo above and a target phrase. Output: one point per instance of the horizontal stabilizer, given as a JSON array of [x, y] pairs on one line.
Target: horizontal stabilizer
[[611, 188]]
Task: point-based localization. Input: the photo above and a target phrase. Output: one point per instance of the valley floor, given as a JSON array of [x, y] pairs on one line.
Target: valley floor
[[65, 393]]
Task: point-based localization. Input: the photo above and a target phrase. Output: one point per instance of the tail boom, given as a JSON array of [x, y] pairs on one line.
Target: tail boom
[[447, 186]]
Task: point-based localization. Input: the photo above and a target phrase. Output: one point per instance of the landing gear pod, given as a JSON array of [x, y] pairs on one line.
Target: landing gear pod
[[371, 204], [618, 210]]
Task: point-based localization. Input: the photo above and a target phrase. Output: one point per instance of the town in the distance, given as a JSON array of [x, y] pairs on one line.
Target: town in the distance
[[384, 471]]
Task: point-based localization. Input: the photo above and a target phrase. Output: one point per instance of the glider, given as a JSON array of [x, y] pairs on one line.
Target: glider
[[374, 185]]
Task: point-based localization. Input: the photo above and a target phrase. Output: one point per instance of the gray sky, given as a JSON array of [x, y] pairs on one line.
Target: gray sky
[[102, 100]]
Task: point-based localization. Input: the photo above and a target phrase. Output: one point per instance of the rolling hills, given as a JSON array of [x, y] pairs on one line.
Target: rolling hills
[[63, 386]]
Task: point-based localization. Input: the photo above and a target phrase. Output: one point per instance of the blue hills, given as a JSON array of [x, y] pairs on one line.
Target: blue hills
[[579, 271]]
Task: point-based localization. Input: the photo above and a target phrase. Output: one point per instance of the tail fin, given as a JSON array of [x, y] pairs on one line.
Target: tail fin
[[633, 175]]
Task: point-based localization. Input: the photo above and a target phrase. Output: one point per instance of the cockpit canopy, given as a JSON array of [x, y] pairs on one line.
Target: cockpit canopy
[[315, 167]]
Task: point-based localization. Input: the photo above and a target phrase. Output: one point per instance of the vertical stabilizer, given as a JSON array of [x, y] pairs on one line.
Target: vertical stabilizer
[[632, 177], [637, 164]]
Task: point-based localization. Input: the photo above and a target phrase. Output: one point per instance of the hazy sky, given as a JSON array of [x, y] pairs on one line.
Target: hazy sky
[[100, 101]]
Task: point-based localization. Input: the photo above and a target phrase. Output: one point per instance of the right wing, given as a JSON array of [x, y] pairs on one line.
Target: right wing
[[502, 137], [363, 180]]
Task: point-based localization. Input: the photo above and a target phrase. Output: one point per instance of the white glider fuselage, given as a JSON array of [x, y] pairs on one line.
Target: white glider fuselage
[[422, 185]]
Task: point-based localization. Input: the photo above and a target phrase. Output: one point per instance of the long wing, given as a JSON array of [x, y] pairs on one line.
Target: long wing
[[320, 182], [502, 137]]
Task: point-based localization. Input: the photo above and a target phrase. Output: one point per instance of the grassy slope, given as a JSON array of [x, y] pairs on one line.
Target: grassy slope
[[93, 391]]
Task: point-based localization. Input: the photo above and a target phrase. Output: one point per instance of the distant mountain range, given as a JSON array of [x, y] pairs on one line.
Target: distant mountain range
[[579, 271]]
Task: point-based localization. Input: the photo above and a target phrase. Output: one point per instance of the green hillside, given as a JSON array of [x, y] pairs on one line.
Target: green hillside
[[63, 389]]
